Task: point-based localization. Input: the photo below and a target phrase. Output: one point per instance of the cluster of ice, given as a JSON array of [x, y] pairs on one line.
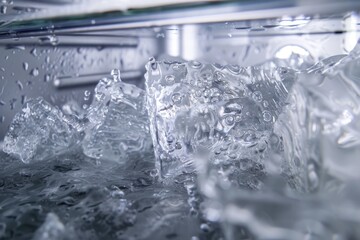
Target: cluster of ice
[[114, 127], [40, 131], [259, 138]]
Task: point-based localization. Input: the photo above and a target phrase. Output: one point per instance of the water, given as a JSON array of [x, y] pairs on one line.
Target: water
[[65, 192], [206, 152]]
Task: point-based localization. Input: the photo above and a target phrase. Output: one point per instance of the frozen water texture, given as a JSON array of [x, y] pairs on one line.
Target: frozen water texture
[[222, 113], [117, 121], [40, 131], [310, 163], [115, 126]]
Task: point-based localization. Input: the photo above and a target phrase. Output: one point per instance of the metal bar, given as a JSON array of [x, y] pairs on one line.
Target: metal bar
[[75, 40], [72, 81], [208, 14]]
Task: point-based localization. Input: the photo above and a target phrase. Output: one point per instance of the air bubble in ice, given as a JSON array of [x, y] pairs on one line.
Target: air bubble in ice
[[229, 120], [257, 96], [170, 79], [176, 98], [267, 116], [195, 64]]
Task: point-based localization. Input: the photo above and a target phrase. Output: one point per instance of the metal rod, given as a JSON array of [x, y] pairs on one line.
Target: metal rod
[[75, 40], [226, 13], [72, 81]]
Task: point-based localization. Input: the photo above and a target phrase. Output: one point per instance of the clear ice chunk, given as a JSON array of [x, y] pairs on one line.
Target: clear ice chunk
[[52, 228], [40, 131], [333, 88], [224, 113], [118, 124]]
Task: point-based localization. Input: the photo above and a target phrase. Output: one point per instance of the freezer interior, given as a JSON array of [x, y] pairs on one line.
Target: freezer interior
[[62, 51]]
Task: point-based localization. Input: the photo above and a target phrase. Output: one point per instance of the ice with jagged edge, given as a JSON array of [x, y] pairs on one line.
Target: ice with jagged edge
[[224, 112], [40, 131], [118, 122], [114, 127]]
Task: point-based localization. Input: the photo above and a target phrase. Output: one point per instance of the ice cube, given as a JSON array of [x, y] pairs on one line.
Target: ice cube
[[333, 102], [39, 131], [118, 122], [226, 113], [52, 228]]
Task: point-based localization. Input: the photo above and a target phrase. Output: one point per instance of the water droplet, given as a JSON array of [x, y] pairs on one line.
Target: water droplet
[[35, 72], [12, 103], [154, 173], [267, 116], [195, 64], [46, 78], [47, 59], [233, 155], [205, 227], [115, 73], [3, 9], [25, 66], [250, 138], [87, 95], [178, 145], [93, 21], [170, 79], [20, 85], [170, 138], [265, 103], [33, 52], [234, 69], [237, 118], [2, 119], [52, 39], [23, 99], [229, 35], [257, 96]]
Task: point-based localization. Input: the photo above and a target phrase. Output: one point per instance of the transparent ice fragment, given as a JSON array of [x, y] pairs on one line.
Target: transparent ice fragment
[[117, 121], [223, 111], [39, 131], [52, 228], [334, 112]]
